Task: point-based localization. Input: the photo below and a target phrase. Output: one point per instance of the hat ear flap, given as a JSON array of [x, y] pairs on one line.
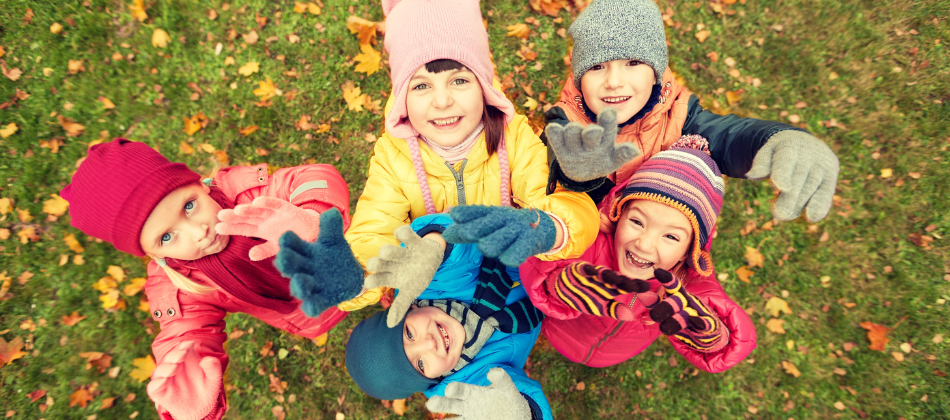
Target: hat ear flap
[[702, 262]]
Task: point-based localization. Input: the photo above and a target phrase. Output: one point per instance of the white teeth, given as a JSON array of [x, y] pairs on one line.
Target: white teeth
[[446, 121], [636, 260], [445, 337], [616, 100]]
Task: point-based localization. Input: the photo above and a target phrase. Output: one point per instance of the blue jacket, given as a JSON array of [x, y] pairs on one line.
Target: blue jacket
[[456, 279]]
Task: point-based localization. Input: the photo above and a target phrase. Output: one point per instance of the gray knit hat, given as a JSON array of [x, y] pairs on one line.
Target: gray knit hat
[[610, 30]]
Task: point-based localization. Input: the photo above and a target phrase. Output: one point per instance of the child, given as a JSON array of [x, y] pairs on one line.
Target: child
[[129, 195], [660, 225], [620, 75], [473, 325], [453, 139]]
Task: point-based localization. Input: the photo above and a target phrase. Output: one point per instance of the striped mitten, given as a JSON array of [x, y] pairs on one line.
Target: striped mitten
[[685, 317], [591, 289]]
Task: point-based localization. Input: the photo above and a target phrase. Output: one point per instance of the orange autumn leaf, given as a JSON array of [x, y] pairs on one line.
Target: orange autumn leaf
[[791, 369], [754, 257], [246, 131], [266, 349], [8, 130], [399, 407], [143, 368], [99, 360], [732, 97], [72, 319], [368, 60], [35, 395], [135, 285], [73, 129], [137, 10], [877, 334], [548, 7], [185, 147], [80, 397], [73, 243], [106, 103], [107, 402], [744, 273], [195, 123], [365, 29], [267, 90], [519, 30], [10, 351]]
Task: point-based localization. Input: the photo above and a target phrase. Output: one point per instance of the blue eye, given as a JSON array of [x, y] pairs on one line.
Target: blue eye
[[189, 206], [409, 334], [166, 238], [673, 238], [421, 368]]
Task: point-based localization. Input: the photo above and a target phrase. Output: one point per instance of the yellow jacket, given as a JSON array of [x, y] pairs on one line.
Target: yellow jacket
[[393, 198]]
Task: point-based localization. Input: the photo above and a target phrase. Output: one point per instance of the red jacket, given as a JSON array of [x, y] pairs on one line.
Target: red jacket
[[602, 341], [199, 318]]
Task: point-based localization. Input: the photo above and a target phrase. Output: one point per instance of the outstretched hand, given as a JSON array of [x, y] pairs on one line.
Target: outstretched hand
[[268, 218], [322, 273], [684, 316], [500, 401], [408, 269], [591, 289], [586, 153], [509, 234]]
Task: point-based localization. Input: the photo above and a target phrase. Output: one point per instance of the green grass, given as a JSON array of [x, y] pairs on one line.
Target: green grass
[[901, 115]]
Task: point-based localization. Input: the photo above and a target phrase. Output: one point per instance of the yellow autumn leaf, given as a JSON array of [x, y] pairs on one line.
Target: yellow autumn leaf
[[732, 97], [323, 128], [776, 325], [116, 272], [530, 104], [353, 96], [6, 205], [754, 257], [267, 90], [73, 243], [137, 9], [143, 305], [313, 9], [160, 38], [24, 215], [106, 103], [321, 339], [791, 369], [744, 273], [250, 68], [192, 126], [55, 28], [365, 29], [111, 301], [775, 305], [368, 60], [27, 234], [143, 368], [73, 129], [246, 131], [519, 30], [887, 172], [105, 284], [300, 7], [55, 206], [135, 285], [185, 147], [8, 130]]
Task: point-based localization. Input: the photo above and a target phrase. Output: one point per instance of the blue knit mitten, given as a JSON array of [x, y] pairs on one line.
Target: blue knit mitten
[[509, 234], [323, 273]]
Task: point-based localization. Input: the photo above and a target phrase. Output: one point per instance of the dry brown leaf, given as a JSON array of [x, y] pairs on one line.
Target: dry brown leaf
[[548, 7], [12, 74], [702, 35], [877, 334], [250, 38]]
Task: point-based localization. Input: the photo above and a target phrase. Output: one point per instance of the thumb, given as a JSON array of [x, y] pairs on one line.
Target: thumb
[[331, 227], [624, 152], [620, 312], [263, 251], [762, 163], [211, 367], [397, 311], [406, 235], [501, 381]]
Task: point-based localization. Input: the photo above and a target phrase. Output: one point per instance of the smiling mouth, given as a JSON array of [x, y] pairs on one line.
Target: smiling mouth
[[445, 337], [636, 262], [442, 122], [615, 99]]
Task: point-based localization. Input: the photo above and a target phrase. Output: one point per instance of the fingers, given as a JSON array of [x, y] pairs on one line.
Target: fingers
[[623, 153], [380, 279], [789, 206], [392, 253], [674, 324], [445, 405], [500, 380], [263, 251], [572, 138], [607, 119], [498, 242], [465, 214], [231, 216], [475, 229], [303, 286], [648, 299], [591, 137], [820, 202], [514, 255], [461, 391], [619, 311], [231, 228], [211, 367], [289, 262], [331, 228], [555, 134], [406, 235], [250, 210]]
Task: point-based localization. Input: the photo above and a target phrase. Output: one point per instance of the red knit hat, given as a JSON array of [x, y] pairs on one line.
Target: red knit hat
[[116, 188]]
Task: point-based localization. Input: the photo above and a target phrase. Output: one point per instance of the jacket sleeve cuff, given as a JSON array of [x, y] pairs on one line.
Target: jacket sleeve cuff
[[364, 299], [427, 229], [536, 413], [560, 223]]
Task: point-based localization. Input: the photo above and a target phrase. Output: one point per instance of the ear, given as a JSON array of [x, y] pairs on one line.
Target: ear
[[205, 188]]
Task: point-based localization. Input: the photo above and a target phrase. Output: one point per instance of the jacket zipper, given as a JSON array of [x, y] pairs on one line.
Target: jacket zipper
[[600, 342], [459, 182]]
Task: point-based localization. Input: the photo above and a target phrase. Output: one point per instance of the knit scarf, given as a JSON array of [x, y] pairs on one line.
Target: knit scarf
[[458, 152], [488, 312], [256, 282]]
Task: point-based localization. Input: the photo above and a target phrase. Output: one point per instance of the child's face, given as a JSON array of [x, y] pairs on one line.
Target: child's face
[[445, 107], [181, 226], [651, 235], [433, 341], [624, 85]]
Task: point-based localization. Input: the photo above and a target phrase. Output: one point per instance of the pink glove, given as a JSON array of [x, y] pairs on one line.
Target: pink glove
[[268, 218], [186, 387]]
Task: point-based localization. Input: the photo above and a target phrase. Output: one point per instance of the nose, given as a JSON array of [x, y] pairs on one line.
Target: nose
[[646, 244], [442, 98], [614, 77], [198, 230]]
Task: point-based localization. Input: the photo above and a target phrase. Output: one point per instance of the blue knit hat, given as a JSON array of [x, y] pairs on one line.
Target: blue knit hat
[[377, 362]]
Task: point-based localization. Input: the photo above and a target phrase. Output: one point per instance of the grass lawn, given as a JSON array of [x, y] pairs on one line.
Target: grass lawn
[[872, 79]]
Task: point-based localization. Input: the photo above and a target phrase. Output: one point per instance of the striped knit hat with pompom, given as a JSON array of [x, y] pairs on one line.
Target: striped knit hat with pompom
[[686, 178]]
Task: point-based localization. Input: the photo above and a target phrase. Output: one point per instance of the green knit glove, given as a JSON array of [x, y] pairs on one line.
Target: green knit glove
[[408, 269], [506, 233], [500, 401], [591, 152], [803, 169]]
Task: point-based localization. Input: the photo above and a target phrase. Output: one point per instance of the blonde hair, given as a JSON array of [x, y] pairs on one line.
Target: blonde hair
[[184, 283]]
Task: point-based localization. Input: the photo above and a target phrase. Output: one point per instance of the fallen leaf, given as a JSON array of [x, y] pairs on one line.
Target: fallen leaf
[[135, 285], [72, 319], [250, 38], [839, 405], [906, 347], [73, 129], [791, 369], [249, 68], [137, 10], [754, 257], [702, 35], [353, 96], [12, 350], [313, 9], [28, 234], [35, 395], [368, 60], [898, 356], [107, 403], [80, 397], [25, 277], [111, 301], [732, 97], [370, 138], [937, 339], [877, 334], [519, 30], [549, 7], [887, 173], [143, 368], [246, 131], [266, 349], [116, 272], [99, 360], [55, 206], [106, 103], [160, 38], [399, 407], [840, 372], [775, 305], [24, 215], [775, 325], [8, 130], [55, 28], [365, 29], [266, 90], [75, 66], [185, 147], [922, 241], [73, 243], [12, 74], [744, 273]]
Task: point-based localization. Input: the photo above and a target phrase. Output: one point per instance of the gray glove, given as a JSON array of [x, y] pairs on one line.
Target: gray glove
[[803, 169], [409, 269], [591, 152], [500, 401]]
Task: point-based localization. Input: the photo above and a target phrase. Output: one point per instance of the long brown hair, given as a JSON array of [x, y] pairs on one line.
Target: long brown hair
[[492, 118]]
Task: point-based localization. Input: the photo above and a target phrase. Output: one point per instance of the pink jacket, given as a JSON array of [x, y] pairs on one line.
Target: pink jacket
[[199, 318], [602, 341]]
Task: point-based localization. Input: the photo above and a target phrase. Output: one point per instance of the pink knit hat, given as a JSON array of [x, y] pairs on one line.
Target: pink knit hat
[[420, 31], [116, 188]]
